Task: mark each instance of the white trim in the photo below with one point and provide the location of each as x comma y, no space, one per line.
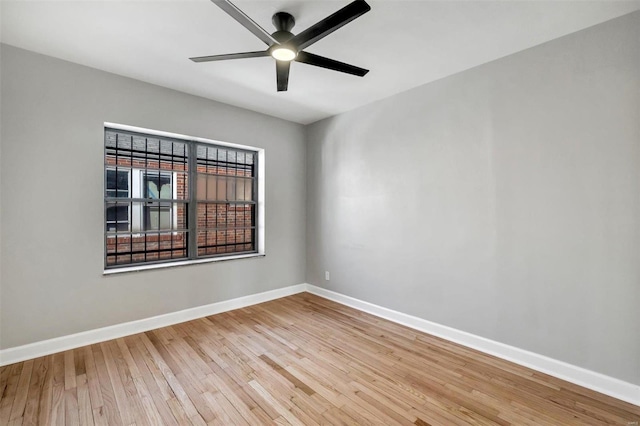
58,344
261,201
580,376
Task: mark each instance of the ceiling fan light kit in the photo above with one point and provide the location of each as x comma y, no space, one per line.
284,54
284,46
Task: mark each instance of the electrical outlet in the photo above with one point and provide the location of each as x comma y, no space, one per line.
327,276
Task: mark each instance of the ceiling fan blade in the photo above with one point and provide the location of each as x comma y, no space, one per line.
321,61
230,56
245,21
329,24
282,74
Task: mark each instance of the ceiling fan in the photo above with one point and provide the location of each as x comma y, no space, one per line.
285,47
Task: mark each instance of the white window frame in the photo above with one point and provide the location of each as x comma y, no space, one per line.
260,202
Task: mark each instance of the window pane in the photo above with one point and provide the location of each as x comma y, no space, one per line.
244,189
117,184
118,213
225,177
111,179
158,185
117,217
225,228
120,226
224,188
157,217
201,187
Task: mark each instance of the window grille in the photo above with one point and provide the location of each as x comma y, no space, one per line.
226,201
153,212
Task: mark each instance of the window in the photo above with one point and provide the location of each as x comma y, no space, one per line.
170,199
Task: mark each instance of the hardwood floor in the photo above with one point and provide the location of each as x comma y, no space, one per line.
301,360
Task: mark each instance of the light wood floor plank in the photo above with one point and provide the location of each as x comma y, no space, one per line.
22,390
85,413
12,376
300,360
30,416
58,408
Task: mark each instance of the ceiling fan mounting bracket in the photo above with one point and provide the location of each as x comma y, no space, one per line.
283,21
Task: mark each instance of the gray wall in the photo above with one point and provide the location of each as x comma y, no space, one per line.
52,200
503,201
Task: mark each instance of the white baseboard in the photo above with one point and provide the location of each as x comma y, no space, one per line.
72,341
580,376
589,379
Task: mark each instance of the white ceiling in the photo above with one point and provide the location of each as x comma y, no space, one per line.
404,43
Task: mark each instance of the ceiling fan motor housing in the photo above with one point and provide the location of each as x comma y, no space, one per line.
284,23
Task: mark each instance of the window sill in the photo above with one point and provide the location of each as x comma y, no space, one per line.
140,268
